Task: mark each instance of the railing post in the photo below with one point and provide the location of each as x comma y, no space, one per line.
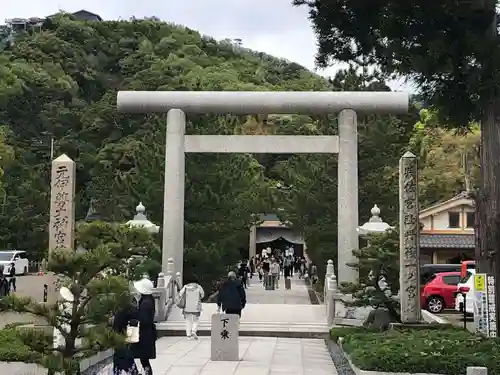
330,298
330,270
170,267
178,278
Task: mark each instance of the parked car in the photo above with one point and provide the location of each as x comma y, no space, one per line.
18,257
439,292
429,270
465,288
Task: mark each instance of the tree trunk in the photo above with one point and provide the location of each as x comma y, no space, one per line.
489,207
488,210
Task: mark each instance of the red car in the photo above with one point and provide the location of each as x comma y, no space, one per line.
439,292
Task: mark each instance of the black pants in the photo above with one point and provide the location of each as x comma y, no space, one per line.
235,312
148,370
127,365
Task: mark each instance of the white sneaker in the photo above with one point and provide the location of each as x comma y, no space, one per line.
194,336
190,337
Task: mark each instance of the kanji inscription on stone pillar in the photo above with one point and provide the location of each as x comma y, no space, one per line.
62,204
409,250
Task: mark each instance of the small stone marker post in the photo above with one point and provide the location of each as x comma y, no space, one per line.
409,250
225,337
62,210
477,371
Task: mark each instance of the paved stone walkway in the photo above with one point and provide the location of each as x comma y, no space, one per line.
266,310
258,356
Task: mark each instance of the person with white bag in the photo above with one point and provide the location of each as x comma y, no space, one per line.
144,346
190,298
124,322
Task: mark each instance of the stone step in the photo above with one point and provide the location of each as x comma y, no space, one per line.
260,329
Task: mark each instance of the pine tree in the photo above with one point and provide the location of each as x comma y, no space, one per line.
99,288
378,266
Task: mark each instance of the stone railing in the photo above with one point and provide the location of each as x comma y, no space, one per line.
166,291
338,310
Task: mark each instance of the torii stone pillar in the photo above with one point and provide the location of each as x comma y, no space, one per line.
177,103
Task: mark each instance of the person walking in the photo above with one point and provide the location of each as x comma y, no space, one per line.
232,297
287,269
4,284
275,272
243,272
252,266
123,361
12,277
190,298
145,349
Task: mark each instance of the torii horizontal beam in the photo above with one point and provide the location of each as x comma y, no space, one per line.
262,144
262,102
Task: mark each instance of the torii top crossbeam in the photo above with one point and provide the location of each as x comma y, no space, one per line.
262,102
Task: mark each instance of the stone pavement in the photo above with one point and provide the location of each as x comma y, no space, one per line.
258,356
266,311
297,295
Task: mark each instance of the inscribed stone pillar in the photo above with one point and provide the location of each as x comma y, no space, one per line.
173,209
62,204
409,227
347,195
224,338
62,213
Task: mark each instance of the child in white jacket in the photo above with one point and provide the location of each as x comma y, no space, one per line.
190,298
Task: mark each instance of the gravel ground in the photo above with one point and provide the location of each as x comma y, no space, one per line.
457,319
338,357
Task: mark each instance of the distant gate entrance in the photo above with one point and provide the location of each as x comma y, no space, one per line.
177,103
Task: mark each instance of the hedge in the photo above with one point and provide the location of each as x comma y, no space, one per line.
447,351
12,349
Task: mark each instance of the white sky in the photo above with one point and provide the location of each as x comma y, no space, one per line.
270,26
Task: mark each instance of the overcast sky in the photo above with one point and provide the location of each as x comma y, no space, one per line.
271,26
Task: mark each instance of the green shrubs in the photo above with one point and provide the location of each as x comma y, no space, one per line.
447,350
12,349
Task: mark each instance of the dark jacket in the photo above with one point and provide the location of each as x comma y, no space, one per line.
4,287
243,271
232,295
265,266
146,347
120,322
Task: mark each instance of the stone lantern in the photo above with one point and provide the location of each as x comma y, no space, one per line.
140,220
374,225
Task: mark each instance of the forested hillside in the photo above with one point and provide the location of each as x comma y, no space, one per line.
62,83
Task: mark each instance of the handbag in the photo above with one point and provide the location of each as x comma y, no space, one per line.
181,304
132,334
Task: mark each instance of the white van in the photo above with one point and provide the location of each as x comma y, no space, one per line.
19,258
466,287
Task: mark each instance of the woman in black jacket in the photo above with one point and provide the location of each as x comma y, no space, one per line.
145,349
123,360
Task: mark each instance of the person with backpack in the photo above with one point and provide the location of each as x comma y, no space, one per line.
190,298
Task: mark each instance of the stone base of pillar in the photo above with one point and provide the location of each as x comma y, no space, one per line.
346,315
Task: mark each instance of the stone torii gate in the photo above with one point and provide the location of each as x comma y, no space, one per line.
177,103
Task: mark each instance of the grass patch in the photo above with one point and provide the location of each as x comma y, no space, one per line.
447,350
